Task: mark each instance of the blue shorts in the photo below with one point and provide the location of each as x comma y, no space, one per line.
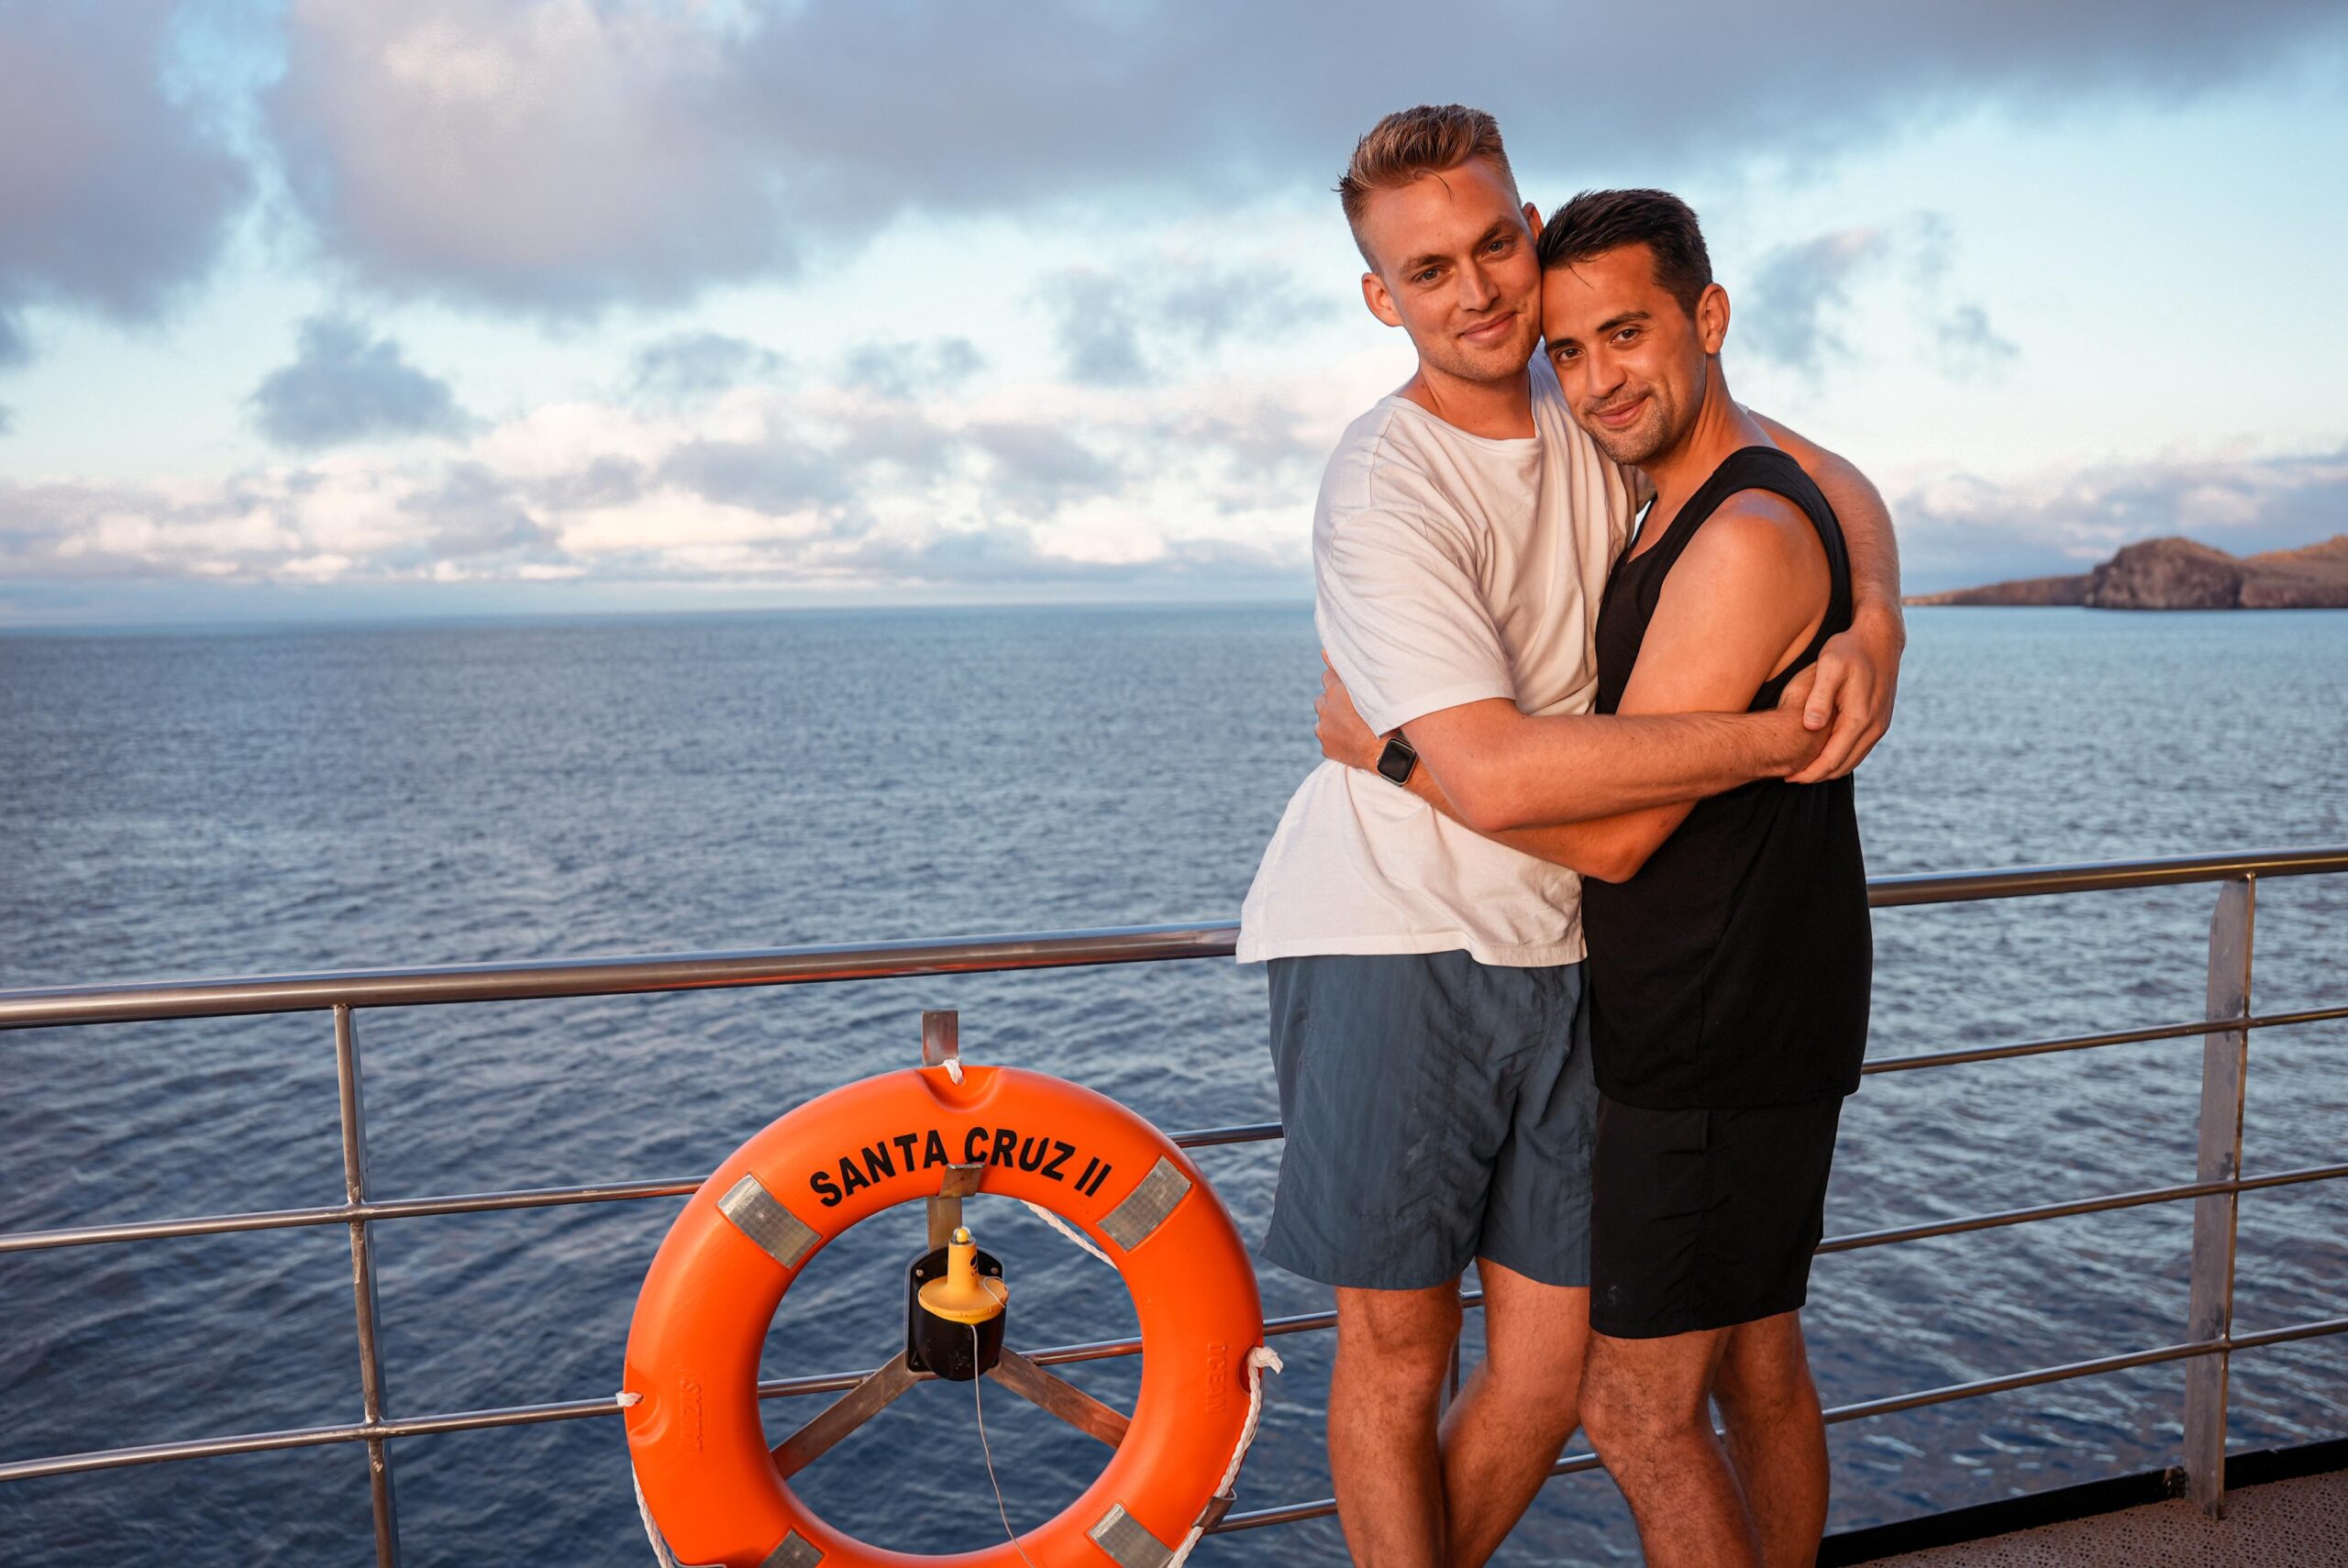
1437,1110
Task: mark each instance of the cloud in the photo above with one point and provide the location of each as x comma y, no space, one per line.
560,155
1211,304
1800,295
1095,319
900,369
7,419
813,490
343,386
1960,530
1795,306
113,193
474,513
1107,325
694,364
1037,467
1969,346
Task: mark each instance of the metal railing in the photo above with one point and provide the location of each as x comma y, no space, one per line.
2215,1192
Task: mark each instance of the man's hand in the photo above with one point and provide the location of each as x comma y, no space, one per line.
1853,685
1343,736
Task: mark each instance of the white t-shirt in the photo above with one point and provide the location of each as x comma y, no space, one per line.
1447,567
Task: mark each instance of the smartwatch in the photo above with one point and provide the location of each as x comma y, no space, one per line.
1394,764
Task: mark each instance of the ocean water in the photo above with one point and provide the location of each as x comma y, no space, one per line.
293,800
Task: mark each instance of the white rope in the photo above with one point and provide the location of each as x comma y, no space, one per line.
978,1404
651,1532
1070,1232
1259,1358
954,1068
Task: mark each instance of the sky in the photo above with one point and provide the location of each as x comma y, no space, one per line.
337,308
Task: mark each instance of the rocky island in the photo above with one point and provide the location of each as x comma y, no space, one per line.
2181,574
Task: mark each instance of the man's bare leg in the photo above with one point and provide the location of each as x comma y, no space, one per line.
1393,1354
1775,1436
1647,1406
1514,1414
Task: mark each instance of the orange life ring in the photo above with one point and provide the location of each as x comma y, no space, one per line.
700,1453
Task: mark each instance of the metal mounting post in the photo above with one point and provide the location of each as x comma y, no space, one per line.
2225,1062
363,1282
941,1041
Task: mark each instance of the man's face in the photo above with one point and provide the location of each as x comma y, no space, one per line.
1630,360
1455,269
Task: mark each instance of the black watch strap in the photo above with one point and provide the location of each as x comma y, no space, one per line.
1394,763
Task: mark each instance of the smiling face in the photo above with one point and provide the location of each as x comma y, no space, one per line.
1453,266
1633,362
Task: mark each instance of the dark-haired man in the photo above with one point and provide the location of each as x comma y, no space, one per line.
1428,1018
1729,951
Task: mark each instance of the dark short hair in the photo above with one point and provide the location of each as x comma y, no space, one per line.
1598,221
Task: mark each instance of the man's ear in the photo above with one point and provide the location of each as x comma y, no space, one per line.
1712,317
1533,219
1380,303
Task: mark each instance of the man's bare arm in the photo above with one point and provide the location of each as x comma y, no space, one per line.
1595,849
1859,672
1737,607
1503,769
1866,521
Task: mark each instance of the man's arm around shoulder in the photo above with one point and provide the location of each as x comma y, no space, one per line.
1859,672
1748,590
1679,736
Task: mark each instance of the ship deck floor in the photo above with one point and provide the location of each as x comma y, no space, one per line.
2301,1523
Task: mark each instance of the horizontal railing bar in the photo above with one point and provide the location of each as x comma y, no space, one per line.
1208,1137
1322,1508
543,978
2074,1206
1213,1137
45,1006
342,1214
2012,1381
2028,881
2192,1029
529,1415
305,1437
464,1203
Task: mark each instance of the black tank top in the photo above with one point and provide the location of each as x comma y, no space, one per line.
1734,970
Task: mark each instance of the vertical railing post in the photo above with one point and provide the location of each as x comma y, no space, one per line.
363,1282
2225,1062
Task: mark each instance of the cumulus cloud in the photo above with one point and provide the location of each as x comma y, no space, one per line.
1960,530
559,155
1969,345
694,364
1799,295
901,369
1795,308
1096,321
346,386
810,489
1037,467
113,193
1105,323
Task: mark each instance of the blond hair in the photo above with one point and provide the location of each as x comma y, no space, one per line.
1409,143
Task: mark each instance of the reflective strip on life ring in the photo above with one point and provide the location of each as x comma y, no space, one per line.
694,1434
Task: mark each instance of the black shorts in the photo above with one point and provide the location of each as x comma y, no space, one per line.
1705,1218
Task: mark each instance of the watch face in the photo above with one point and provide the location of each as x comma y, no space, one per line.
1396,761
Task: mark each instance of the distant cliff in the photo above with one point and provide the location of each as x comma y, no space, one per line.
2179,574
